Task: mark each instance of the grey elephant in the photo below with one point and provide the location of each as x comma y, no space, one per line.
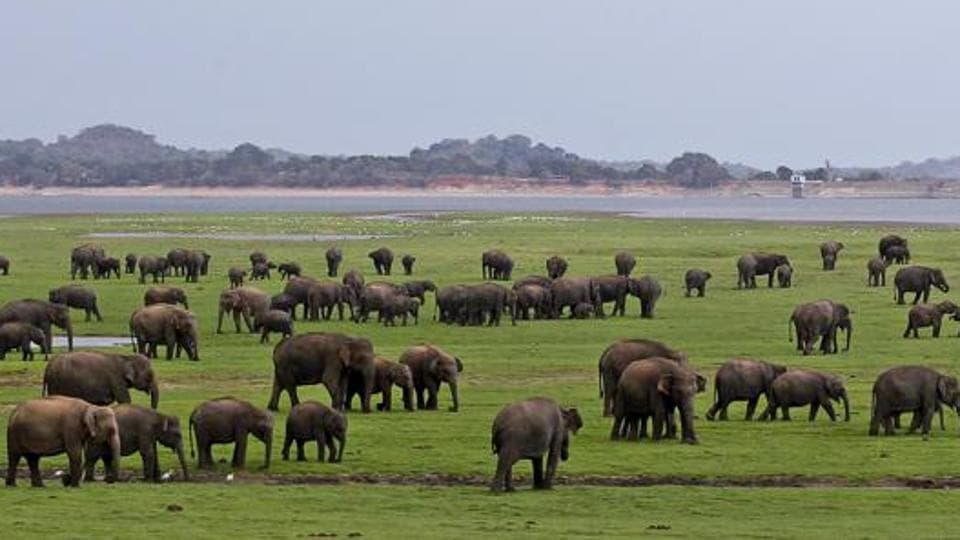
172,326
354,280
898,255
261,270
801,387
106,266
130,261
83,259
530,429
536,298
5,265
156,267
431,366
618,355
648,291
197,264
889,241
820,320
228,420
382,260
334,257
785,276
165,295
758,263
236,276
696,280
919,280
41,314
451,304
486,302
77,297
177,261
298,288
568,292
326,295
829,251
400,305
243,303
556,267
327,358
418,289
496,265
877,272
743,379
18,335
624,263
289,269
140,431
374,297
923,315
915,389
388,374
653,388
100,378
314,421
284,302
258,257
273,320
408,261
56,425
613,289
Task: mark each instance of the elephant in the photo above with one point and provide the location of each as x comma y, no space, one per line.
889,241
40,314
140,431
820,319
618,355
648,290
785,276
197,264
165,295
400,305
314,421
324,296
284,302
625,263
105,266
382,260
272,320
153,266
387,375
334,258
799,387
496,265
245,303
177,261
288,269
354,280
877,272
828,253
556,267
78,297
916,389
923,315
582,310
743,379
18,335
486,302
418,289
568,292
299,288
227,420
542,281
654,387
898,255
131,263
756,264
696,280
322,357
408,261
83,260
451,304
529,429
236,276
258,257
918,279
537,298
170,325
613,289
100,378
430,367
58,424
261,270
5,265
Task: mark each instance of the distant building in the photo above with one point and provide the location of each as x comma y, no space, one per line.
796,183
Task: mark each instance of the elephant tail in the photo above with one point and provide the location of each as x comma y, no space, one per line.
192,426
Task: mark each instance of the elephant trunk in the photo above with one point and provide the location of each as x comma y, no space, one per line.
183,460
686,422
408,397
846,406
455,394
154,392
115,455
69,328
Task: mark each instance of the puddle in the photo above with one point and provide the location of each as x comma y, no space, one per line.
244,236
82,342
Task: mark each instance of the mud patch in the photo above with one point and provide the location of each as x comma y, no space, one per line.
243,236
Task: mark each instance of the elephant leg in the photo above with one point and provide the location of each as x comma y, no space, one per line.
928,411
615,429
638,427
502,479
814,408
236,320
75,457
274,403
908,331
888,425
13,459
264,335
240,450
287,441
433,388
537,472
914,423
751,408
936,329
96,312
33,461
659,417
301,455
420,402
387,398
86,314
786,413
151,466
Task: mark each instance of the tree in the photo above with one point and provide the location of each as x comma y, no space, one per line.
784,173
697,170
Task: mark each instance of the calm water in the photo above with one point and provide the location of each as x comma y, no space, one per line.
945,211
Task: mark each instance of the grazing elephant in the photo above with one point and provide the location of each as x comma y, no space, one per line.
298,287
314,421
613,289
374,297
284,302
529,429
83,259
430,367
696,280
820,319
924,315
743,379
100,378
258,257
245,303
140,431
56,425
918,279
288,269
556,267
888,242
326,358
261,270
625,263
105,266
400,305
486,303
408,261
387,375
618,355
382,260
153,266
654,387
756,264
165,295
568,292
198,262
273,320
451,304
877,272
648,290
324,296
236,276
496,265
131,263
915,389
334,258
785,276
828,253
5,265
538,299
40,314
898,255
177,261
18,335
77,297
800,387
419,289
170,325
227,420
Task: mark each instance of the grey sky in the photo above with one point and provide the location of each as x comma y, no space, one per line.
764,82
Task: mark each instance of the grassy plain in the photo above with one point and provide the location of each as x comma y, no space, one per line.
555,358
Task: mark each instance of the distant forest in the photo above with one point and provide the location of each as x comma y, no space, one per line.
111,155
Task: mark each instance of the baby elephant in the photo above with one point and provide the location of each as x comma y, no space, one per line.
696,280
785,275
288,270
77,297
800,387
400,305
387,375
18,335
877,272
923,315
273,320
314,421
407,262
236,276
583,310
227,420
527,430
140,431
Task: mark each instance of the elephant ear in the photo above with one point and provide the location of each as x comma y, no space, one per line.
90,421
943,387
665,384
344,355
129,371
459,364
572,420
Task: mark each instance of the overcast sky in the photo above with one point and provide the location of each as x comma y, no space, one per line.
763,82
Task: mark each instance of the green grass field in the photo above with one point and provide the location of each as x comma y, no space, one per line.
554,358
